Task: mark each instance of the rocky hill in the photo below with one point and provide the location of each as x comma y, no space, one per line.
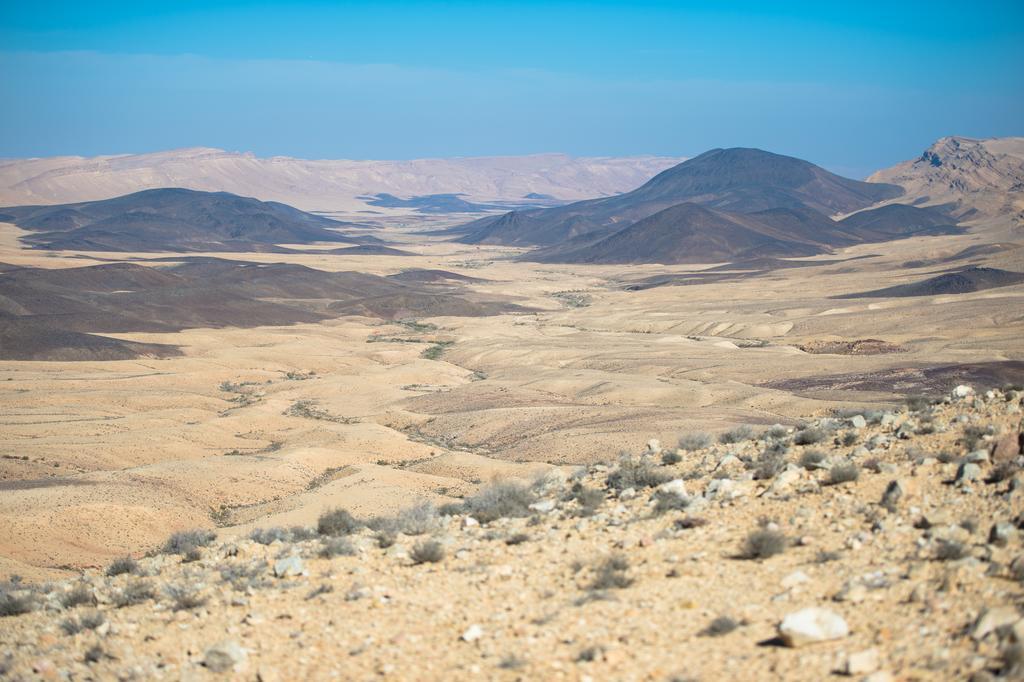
174,219
879,545
738,180
980,178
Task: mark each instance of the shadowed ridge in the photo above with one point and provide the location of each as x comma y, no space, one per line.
173,219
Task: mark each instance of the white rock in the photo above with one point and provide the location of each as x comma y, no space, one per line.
858,421
543,506
727,489
963,391
785,480
811,625
862,662
992,619
225,656
288,566
852,591
795,578
675,487
654,446
472,633
627,494
470,522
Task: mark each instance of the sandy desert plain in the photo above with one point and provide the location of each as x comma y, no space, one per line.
272,426
120,453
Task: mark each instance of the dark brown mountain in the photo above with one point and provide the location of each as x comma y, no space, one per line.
963,281
684,233
896,221
689,233
735,180
173,219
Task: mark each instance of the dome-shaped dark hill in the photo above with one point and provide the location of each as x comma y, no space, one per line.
963,281
687,233
173,219
755,174
894,221
738,180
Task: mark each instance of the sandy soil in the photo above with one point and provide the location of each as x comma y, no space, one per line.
100,459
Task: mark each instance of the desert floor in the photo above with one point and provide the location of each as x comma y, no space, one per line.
104,458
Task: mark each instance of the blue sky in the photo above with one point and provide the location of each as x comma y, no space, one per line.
852,86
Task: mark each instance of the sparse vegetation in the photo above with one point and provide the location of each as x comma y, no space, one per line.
245,576
427,552
337,522
665,501
418,519
435,351
123,565
612,573
736,435
844,472
809,436
185,597
15,605
671,457
694,441
812,459
185,541
499,500
589,499
764,543
722,625
77,596
135,592
974,435
310,410
336,546
917,403
266,536
637,473
770,463
88,621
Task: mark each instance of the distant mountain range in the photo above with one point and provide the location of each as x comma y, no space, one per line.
326,185
725,204
173,219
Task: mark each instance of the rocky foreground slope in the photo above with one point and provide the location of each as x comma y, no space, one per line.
879,545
